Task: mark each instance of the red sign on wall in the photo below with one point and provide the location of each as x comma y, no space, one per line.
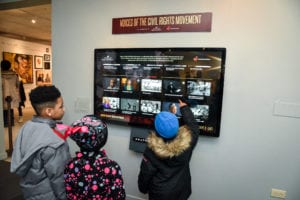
193,22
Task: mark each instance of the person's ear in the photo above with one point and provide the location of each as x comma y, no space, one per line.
49,111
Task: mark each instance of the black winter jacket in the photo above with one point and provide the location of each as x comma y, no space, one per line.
165,171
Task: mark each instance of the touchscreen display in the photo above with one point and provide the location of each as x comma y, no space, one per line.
132,85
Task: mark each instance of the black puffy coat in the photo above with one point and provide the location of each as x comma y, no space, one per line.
165,171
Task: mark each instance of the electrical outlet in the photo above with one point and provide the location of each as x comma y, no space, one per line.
278,193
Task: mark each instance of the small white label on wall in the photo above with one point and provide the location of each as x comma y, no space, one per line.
286,109
278,193
82,105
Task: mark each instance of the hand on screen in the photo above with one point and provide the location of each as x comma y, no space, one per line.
181,103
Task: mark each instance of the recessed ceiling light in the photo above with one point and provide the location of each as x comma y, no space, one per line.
33,21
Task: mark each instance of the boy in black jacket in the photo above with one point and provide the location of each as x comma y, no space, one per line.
165,172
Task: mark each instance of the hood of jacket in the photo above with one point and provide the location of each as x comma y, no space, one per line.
33,136
171,148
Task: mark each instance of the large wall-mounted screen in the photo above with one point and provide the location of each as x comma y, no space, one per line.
132,85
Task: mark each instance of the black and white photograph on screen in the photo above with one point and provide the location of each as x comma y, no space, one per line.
130,104
198,87
111,103
151,85
174,71
173,87
152,70
172,107
111,69
149,106
201,112
133,70
111,83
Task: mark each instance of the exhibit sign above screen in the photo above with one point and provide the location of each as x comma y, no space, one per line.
188,22
132,85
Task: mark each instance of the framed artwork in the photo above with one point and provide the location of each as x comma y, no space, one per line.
38,62
22,64
47,65
47,57
43,77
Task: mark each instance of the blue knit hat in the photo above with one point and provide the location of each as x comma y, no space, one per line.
166,124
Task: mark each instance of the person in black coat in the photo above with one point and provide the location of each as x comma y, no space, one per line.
165,171
22,101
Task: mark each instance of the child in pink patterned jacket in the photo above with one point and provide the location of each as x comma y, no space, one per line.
91,174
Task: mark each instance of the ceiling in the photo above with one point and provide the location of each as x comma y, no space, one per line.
16,16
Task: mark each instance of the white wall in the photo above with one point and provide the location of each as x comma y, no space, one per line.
256,150
22,47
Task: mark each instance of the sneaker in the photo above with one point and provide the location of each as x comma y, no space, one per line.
20,119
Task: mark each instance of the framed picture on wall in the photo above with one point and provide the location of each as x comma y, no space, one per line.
47,57
47,65
43,77
38,62
22,64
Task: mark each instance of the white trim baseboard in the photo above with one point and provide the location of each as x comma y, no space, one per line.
131,197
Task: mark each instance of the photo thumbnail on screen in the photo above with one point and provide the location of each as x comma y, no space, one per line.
149,106
175,71
201,112
133,70
129,84
130,104
198,87
195,72
111,83
151,85
172,107
152,70
111,69
173,87
111,103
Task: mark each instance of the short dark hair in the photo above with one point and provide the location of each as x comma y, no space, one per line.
43,96
5,65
